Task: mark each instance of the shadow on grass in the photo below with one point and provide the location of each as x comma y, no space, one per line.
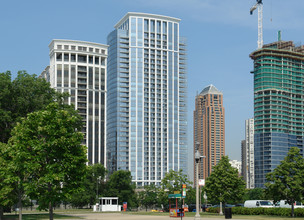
39,216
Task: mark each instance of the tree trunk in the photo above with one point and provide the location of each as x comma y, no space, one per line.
1,213
221,209
51,211
292,210
20,207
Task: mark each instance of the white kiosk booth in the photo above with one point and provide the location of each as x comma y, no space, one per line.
109,204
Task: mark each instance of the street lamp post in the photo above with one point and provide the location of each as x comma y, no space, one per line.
97,181
197,159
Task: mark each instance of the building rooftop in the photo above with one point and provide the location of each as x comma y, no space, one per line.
286,47
211,89
145,15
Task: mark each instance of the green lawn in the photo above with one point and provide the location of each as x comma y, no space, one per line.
38,216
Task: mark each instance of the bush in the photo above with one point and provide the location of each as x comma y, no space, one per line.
213,210
262,211
299,212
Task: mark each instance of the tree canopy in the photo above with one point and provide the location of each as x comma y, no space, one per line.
224,184
7,198
120,185
48,160
18,97
254,194
172,181
286,181
148,196
94,186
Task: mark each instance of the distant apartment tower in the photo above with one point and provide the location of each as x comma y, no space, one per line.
278,104
209,128
79,68
248,154
147,96
243,158
237,165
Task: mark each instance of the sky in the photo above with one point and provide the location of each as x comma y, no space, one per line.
220,36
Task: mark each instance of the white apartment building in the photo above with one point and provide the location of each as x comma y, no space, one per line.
79,68
236,164
248,154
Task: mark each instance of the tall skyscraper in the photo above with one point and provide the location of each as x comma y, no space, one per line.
209,128
278,104
147,95
248,154
79,68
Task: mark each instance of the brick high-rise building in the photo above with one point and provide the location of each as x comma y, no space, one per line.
209,129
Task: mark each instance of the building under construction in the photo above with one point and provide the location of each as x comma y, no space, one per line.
278,104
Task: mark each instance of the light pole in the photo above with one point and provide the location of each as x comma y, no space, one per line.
197,159
97,181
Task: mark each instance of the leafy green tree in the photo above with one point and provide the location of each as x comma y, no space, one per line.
25,94
48,160
5,106
173,181
191,195
224,184
94,186
254,194
120,185
148,197
286,181
7,198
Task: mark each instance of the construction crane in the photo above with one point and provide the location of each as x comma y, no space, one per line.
259,5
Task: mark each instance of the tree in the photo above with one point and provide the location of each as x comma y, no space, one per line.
191,195
224,184
254,194
120,185
48,159
6,188
286,181
25,94
93,186
172,181
5,109
148,196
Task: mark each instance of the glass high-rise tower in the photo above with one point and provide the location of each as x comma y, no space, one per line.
278,104
146,99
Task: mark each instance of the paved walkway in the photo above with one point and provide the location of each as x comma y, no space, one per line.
119,216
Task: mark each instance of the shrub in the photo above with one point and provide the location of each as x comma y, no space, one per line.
286,212
213,210
299,212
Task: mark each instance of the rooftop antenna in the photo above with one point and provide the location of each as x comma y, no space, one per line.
259,6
